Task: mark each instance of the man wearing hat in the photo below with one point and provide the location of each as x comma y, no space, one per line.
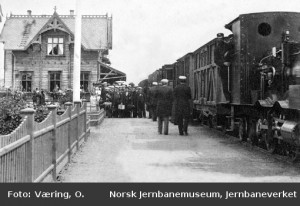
182,96
164,97
140,102
153,101
103,94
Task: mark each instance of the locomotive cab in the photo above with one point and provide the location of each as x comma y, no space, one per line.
254,37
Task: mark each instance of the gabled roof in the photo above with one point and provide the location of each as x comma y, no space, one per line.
21,30
54,22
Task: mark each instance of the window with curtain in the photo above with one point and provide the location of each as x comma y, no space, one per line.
26,81
54,80
84,81
55,46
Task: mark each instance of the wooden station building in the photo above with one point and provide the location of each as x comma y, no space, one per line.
39,51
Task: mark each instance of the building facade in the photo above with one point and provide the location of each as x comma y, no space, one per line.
2,20
39,50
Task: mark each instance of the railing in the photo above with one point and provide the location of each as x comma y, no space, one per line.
61,16
36,152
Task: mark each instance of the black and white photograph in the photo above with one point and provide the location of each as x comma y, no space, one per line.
150,91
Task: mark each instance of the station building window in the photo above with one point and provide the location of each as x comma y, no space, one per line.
55,46
26,81
84,81
54,80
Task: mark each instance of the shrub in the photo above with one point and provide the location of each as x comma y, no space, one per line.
41,112
12,103
10,118
10,108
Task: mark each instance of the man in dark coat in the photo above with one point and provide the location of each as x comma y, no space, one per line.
182,96
123,101
153,100
116,100
140,103
146,93
43,98
164,98
103,97
148,102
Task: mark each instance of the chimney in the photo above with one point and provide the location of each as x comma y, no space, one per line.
72,12
29,12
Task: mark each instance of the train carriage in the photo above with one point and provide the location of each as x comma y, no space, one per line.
208,84
168,73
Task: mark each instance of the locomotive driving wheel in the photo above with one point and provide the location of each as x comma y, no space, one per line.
270,144
201,118
213,121
262,135
294,151
294,154
252,134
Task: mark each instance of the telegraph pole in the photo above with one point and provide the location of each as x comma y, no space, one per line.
77,54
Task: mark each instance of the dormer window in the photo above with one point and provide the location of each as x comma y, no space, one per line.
55,46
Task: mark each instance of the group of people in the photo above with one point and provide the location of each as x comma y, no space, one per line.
162,102
165,102
38,97
122,101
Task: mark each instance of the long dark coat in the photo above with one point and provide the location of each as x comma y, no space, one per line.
103,94
182,95
153,96
164,96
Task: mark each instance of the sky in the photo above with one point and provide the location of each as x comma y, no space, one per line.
150,33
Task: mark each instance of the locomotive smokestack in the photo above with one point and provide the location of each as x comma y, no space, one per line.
29,12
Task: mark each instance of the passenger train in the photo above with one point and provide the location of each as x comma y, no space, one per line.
248,83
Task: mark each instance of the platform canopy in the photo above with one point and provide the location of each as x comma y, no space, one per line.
109,74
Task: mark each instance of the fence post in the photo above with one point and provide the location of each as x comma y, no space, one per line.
85,119
69,105
29,112
77,104
90,106
52,108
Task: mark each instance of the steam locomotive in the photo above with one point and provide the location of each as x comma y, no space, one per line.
248,83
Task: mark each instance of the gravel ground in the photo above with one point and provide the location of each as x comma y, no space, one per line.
131,150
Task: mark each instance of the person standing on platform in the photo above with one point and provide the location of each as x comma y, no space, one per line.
122,104
43,98
146,94
182,97
164,97
153,100
115,101
140,103
34,97
102,96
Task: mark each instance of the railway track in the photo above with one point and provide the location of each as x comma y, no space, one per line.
248,144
